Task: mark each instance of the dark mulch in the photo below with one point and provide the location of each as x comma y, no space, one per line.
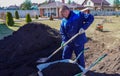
20,51
61,69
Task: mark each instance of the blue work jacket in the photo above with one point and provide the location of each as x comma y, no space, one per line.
71,26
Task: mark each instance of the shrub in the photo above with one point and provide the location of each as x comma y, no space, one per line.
51,17
9,19
28,18
36,16
16,15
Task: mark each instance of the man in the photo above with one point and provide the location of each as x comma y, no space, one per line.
71,23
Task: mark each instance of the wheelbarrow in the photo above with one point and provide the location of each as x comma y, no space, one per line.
84,71
45,65
42,60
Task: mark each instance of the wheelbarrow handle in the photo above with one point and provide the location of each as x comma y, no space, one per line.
92,65
80,54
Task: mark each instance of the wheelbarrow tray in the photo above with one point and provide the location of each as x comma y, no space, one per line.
45,65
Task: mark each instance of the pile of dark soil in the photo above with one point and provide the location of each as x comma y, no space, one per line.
61,69
20,51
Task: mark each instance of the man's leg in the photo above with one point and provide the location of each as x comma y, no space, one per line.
81,60
67,52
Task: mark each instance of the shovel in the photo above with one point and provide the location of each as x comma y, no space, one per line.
45,65
42,60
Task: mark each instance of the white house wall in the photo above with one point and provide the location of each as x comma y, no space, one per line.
49,11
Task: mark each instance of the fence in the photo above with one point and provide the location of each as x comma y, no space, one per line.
22,13
104,13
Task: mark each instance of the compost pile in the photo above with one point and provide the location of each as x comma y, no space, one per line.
61,69
20,51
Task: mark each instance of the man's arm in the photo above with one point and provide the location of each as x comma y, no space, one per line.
63,34
87,20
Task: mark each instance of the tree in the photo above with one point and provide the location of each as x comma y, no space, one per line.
26,5
9,19
28,18
16,15
69,1
116,4
45,2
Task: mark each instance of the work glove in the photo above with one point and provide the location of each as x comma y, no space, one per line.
81,31
62,43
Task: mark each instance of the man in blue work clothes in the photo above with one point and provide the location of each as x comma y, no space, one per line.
71,23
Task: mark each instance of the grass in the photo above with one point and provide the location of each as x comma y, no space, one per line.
112,24
54,24
5,31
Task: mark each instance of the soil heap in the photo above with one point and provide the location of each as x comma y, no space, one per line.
20,51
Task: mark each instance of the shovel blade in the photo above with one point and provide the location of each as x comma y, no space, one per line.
42,60
40,73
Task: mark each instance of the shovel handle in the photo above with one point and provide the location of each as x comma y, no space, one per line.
80,32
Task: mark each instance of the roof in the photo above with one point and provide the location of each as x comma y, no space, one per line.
98,2
75,4
13,7
58,4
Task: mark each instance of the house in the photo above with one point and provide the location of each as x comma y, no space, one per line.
52,8
13,7
97,4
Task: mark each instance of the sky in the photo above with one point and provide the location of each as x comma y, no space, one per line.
6,3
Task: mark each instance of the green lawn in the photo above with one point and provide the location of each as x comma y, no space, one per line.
112,24
4,31
54,24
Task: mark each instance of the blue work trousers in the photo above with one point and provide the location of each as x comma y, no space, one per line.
68,50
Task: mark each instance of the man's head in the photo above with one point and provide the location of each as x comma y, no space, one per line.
64,11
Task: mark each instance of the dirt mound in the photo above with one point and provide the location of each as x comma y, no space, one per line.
20,51
61,69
